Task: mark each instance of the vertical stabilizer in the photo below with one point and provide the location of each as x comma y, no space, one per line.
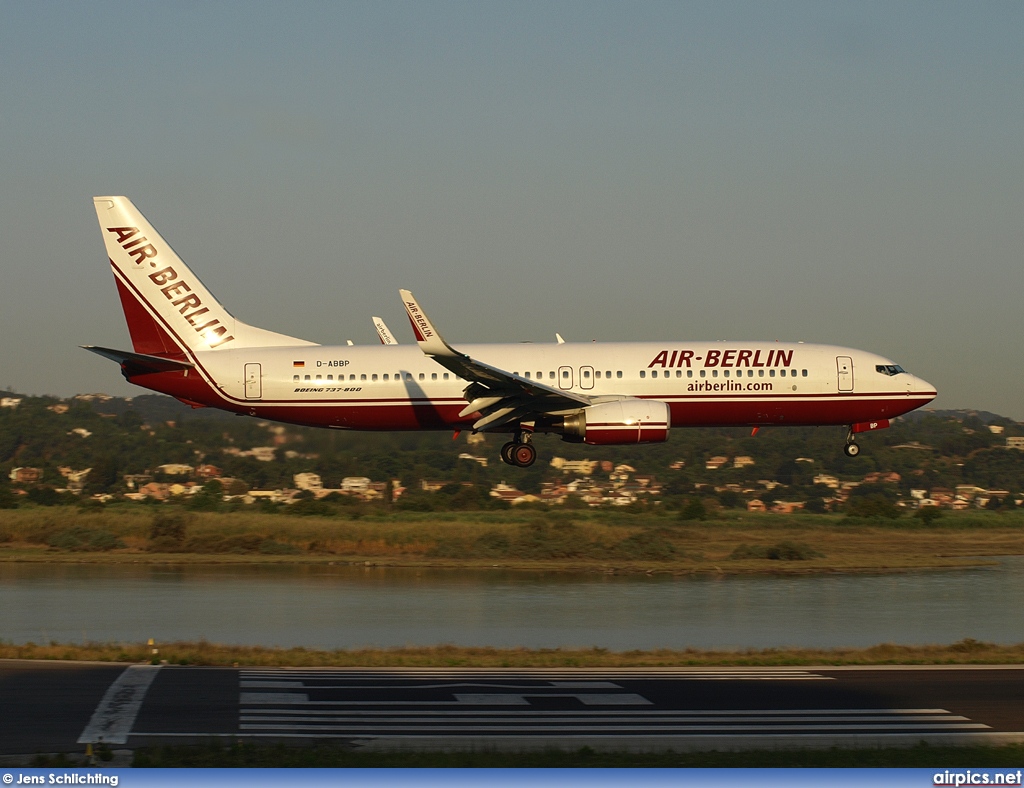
168,310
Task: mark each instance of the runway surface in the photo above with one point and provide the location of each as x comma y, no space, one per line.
60,707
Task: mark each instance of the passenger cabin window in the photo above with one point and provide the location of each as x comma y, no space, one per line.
446,376
295,377
608,374
643,374
433,376
307,377
363,376
805,373
618,373
422,376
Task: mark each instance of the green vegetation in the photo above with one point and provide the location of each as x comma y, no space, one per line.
239,755
696,523
964,652
137,436
573,540
783,551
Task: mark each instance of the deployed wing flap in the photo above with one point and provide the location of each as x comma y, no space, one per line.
140,363
501,397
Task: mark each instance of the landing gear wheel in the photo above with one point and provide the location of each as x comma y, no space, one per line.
524,455
851,449
506,452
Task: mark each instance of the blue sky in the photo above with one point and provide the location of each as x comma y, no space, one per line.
848,173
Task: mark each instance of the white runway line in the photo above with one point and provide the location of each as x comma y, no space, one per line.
709,674
634,729
114,717
279,700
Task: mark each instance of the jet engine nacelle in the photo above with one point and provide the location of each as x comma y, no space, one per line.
619,422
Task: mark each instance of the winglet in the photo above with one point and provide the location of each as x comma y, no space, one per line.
430,341
383,332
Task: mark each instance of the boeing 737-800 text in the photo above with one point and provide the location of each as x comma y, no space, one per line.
187,345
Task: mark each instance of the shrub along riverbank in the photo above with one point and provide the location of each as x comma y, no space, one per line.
534,539
965,652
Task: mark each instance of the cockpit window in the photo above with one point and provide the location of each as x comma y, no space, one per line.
889,369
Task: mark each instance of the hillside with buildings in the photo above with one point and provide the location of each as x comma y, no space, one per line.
152,449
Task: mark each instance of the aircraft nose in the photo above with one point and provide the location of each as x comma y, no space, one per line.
923,387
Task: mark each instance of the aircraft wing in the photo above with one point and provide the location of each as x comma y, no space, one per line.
499,396
139,363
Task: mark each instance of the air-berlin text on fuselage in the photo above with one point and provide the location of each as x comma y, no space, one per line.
723,358
175,290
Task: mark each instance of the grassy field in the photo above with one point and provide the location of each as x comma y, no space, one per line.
277,755
966,652
586,541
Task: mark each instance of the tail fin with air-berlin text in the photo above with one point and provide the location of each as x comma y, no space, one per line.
169,311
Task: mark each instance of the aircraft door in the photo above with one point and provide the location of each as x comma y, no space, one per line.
253,381
565,377
844,365
586,377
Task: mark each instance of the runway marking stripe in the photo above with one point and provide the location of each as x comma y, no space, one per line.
597,716
1009,737
519,699
412,675
853,713
279,685
896,726
114,717
300,680
592,675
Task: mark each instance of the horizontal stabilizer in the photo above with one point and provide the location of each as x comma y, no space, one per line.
140,362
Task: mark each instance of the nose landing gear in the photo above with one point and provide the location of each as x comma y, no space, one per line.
851,449
519,451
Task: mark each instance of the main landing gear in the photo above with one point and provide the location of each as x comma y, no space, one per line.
851,449
519,451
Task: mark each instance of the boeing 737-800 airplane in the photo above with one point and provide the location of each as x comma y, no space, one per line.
187,345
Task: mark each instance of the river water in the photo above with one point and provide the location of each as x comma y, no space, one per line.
347,607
